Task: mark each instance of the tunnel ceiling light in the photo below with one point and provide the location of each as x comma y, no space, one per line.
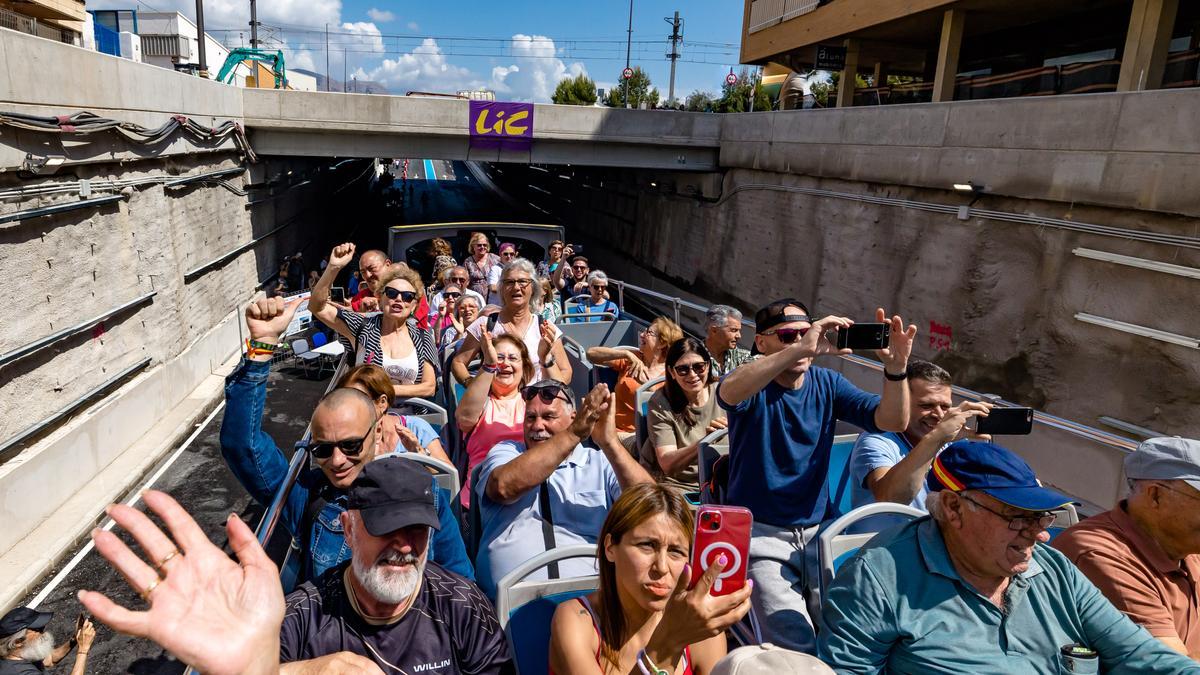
969,187
653,184
1168,268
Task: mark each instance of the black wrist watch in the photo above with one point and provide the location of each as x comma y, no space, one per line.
896,378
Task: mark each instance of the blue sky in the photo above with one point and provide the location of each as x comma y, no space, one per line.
519,48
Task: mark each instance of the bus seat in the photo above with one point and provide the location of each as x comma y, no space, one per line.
600,333
434,414
641,408
835,546
712,447
474,529
839,476
445,474
525,608
583,373
1067,517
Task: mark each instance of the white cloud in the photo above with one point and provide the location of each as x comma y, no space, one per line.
235,14
412,25
380,15
423,69
536,72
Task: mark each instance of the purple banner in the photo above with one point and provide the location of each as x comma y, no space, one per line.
495,124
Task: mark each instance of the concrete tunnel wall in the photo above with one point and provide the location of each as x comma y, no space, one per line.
1003,296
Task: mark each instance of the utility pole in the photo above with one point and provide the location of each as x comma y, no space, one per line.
345,69
254,24
628,45
200,38
676,38
327,88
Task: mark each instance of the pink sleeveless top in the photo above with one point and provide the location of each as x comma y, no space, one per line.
687,651
502,420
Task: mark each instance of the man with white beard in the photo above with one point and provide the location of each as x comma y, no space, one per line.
389,609
27,648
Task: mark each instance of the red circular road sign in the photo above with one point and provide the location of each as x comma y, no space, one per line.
627,73
731,79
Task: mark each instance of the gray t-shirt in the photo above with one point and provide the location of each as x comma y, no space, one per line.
667,428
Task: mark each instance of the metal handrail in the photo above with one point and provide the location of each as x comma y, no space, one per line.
42,343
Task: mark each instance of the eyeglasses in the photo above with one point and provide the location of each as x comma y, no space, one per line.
459,280
546,392
350,447
1185,494
452,296
393,293
518,283
508,358
788,335
1039,521
698,368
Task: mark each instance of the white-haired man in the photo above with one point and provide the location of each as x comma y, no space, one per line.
389,607
27,648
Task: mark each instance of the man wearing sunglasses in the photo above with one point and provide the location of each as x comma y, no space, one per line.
972,588
550,491
455,276
343,439
782,411
1144,554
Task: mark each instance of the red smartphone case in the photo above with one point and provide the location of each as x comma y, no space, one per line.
731,536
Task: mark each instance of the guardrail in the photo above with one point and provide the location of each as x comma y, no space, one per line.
1081,460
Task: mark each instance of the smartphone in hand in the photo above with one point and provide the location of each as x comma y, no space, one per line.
864,336
1006,422
722,530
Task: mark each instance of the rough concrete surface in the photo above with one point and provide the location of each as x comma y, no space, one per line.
1001,296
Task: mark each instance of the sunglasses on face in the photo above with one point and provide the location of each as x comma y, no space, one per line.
452,296
507,254
350,447
581,268
547,393
393,293
482,246
599,288
696,368
788,335
459,280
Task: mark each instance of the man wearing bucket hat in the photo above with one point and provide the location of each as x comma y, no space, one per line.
1144,555
970,588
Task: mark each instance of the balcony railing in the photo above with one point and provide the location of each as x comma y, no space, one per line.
767,13
27,24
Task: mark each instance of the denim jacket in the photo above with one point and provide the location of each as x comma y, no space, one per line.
261,467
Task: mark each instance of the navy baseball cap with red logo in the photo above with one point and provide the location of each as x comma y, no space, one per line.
995,471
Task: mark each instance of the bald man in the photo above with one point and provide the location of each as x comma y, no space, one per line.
343,440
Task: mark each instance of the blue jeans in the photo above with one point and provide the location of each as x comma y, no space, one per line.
261,467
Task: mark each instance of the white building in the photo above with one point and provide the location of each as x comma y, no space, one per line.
169,40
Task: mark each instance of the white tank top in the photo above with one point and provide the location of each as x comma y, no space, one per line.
402,370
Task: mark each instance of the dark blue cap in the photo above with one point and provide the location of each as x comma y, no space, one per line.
995,471
392,493
21,618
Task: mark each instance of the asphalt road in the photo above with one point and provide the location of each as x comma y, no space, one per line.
436,191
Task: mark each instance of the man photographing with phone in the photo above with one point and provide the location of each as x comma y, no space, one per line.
27,648
782,413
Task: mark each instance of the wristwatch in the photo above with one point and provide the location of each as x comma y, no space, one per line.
549,363
895,378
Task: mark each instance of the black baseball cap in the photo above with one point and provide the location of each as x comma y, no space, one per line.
393,493
773,314
21,618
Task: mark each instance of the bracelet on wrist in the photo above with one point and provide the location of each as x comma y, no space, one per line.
259,344
489,369
895,378
647,666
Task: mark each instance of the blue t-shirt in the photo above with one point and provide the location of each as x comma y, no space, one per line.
779,443
421,429
588,308
878,451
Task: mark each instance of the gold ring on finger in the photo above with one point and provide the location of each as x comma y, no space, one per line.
161,563
150,589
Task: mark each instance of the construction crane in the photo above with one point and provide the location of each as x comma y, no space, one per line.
236,56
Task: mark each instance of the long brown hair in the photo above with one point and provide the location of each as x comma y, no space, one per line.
635,506
526,362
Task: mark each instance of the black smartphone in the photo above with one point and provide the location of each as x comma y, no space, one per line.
864,336
337,294
1006,422
576,249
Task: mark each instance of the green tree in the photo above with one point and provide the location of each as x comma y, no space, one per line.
736,97
825,90
699,101
578,90
640,90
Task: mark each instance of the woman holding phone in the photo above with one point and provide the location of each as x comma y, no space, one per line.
643,617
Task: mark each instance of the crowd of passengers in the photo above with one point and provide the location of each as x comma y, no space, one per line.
388,585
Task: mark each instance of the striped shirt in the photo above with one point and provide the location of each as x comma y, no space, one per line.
368,348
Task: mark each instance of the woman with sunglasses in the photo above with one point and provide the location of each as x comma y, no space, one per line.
597,301
480,265
635,368
642,617
520,294
492,409
447,313
396,433
680,415
391,339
